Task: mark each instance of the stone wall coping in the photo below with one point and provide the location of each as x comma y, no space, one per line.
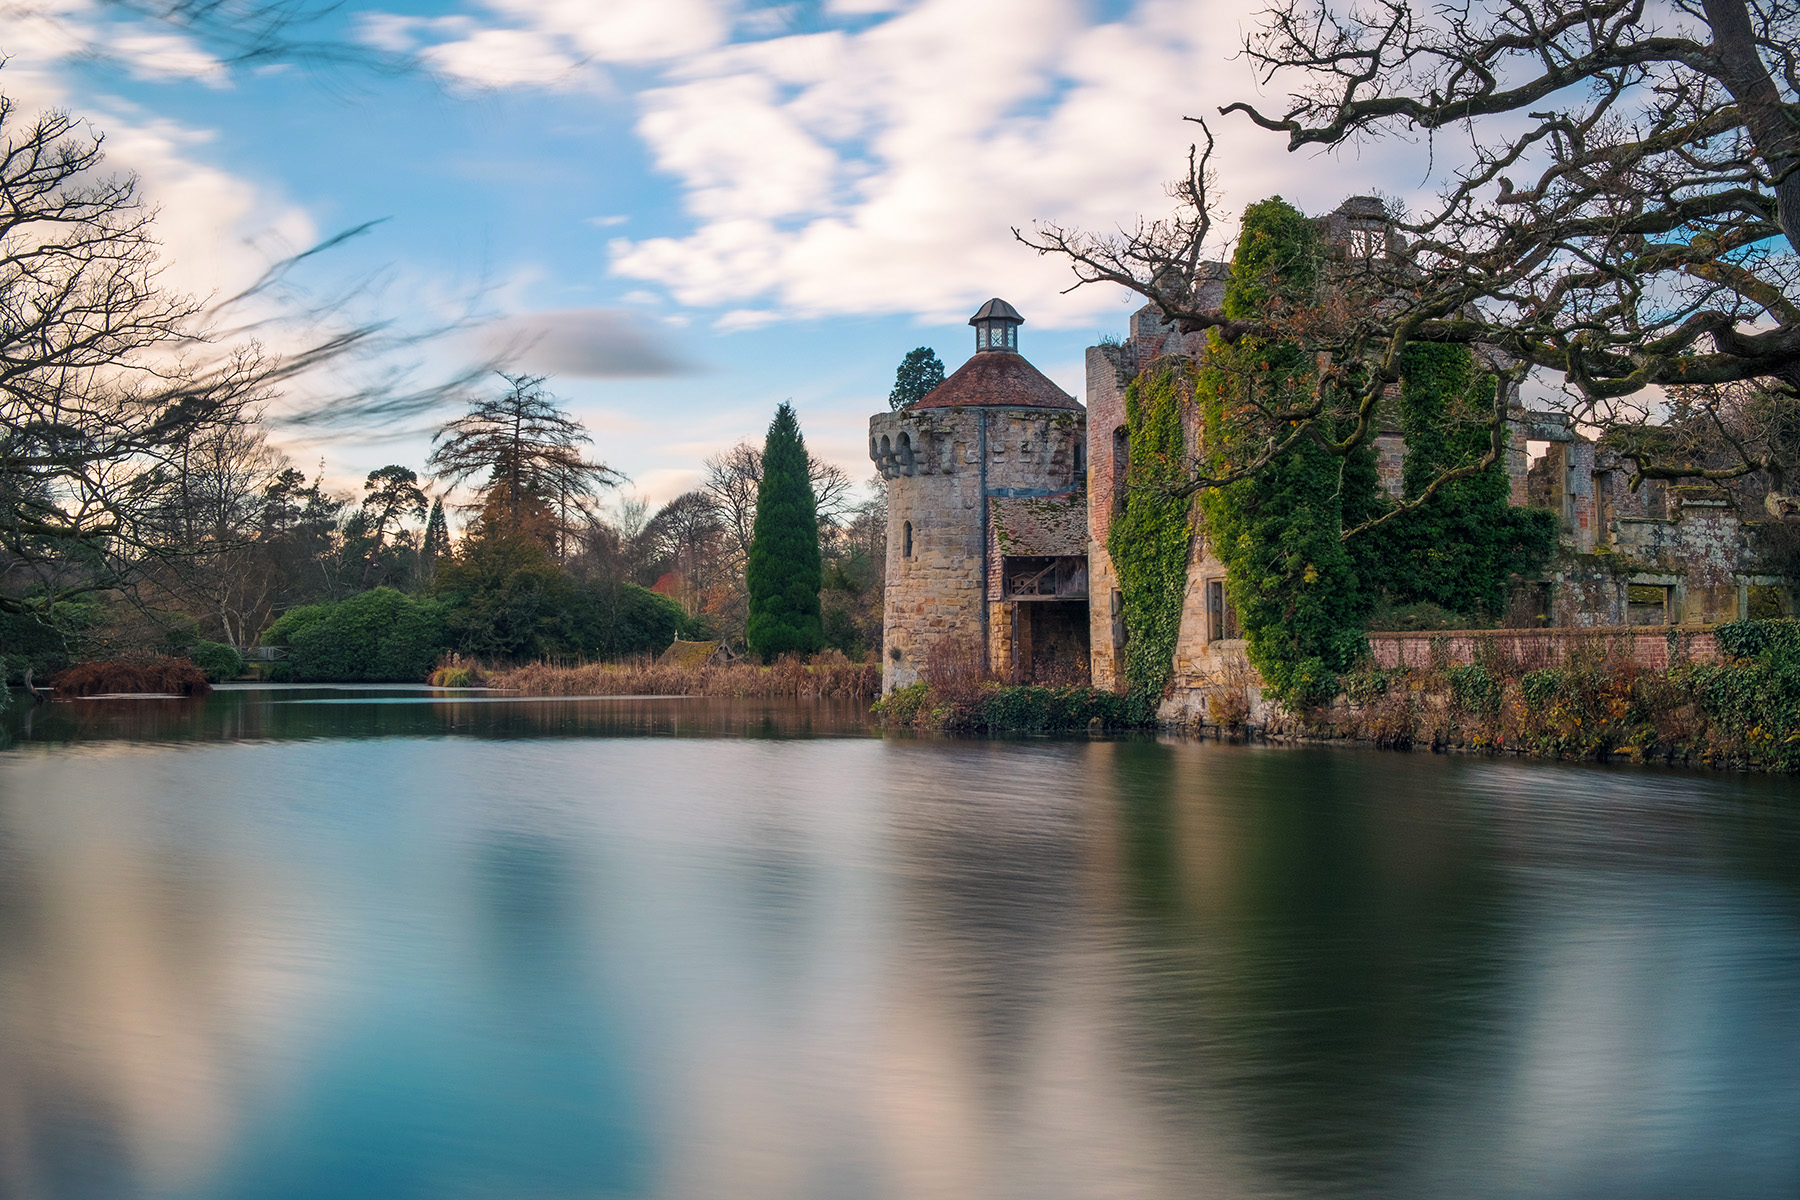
1554,631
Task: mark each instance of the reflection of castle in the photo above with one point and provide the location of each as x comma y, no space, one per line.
1002,491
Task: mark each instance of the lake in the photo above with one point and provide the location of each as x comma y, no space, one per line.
375,943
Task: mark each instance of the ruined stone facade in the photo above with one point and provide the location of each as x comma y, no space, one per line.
1002,491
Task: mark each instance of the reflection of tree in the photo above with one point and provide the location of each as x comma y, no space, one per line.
1334,973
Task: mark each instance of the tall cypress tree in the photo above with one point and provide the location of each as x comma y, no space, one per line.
783,572
437,541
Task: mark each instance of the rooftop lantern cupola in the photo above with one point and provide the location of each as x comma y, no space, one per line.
997,326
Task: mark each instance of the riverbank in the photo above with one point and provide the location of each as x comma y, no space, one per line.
1731,703
1730,699
827,676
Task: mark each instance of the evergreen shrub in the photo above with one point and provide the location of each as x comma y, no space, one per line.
378,636
216,660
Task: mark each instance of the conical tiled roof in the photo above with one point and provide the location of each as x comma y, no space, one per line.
998,380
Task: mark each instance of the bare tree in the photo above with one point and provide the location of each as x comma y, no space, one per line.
1653,243
687,532
105,386
732,479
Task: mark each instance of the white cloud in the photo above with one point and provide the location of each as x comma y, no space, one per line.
881,167
608,222
218,231
499,58
741,320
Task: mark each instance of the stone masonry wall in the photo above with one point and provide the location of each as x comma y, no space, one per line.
934,465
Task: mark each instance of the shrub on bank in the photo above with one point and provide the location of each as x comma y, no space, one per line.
1743,711
164,675
217,661
379,636
1025,708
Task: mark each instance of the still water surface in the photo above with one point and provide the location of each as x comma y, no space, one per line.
312,943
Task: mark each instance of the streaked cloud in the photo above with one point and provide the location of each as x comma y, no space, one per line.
585,343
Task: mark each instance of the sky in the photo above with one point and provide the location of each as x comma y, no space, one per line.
681,212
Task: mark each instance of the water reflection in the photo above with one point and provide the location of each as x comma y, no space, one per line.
250,712
529,963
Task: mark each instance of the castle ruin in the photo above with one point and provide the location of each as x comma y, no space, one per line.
1002,490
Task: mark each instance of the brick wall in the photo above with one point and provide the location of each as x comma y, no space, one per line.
1650,647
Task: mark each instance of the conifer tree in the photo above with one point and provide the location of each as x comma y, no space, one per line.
784,573
919,372
437,540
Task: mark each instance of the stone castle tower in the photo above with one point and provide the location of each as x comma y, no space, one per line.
987,518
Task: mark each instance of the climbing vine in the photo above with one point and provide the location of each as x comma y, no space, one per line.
1459,550
1300,600
1150,539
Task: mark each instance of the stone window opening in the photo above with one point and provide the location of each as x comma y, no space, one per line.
906,540
1221,613
1648,604
1121,466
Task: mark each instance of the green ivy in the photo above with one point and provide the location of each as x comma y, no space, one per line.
1150,539
1300,600
1459,550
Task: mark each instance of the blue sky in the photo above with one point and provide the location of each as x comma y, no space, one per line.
683,211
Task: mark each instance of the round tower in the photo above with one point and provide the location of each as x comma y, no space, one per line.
987,519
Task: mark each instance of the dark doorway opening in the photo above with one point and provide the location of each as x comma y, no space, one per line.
1051,643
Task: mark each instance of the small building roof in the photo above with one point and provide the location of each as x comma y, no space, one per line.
1041,525
997,381
997,310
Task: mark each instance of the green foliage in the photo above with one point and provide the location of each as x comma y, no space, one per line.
1150,539
783,573
1025,709
1474,689
436,546
216,661
1461,548
1033,709
1779,638
1300,600
902,706
504,597
1540,687
612,621
919,372
47,640
1276,263
379,636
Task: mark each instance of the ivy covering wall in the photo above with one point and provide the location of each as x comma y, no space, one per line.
1150,539
1461,548
1301,601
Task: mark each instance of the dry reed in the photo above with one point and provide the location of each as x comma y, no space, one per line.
829,676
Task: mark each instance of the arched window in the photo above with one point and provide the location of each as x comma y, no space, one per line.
906,540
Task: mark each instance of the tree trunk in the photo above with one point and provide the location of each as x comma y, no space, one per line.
1772,126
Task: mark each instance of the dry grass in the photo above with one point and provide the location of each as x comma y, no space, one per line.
173,676
829,676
